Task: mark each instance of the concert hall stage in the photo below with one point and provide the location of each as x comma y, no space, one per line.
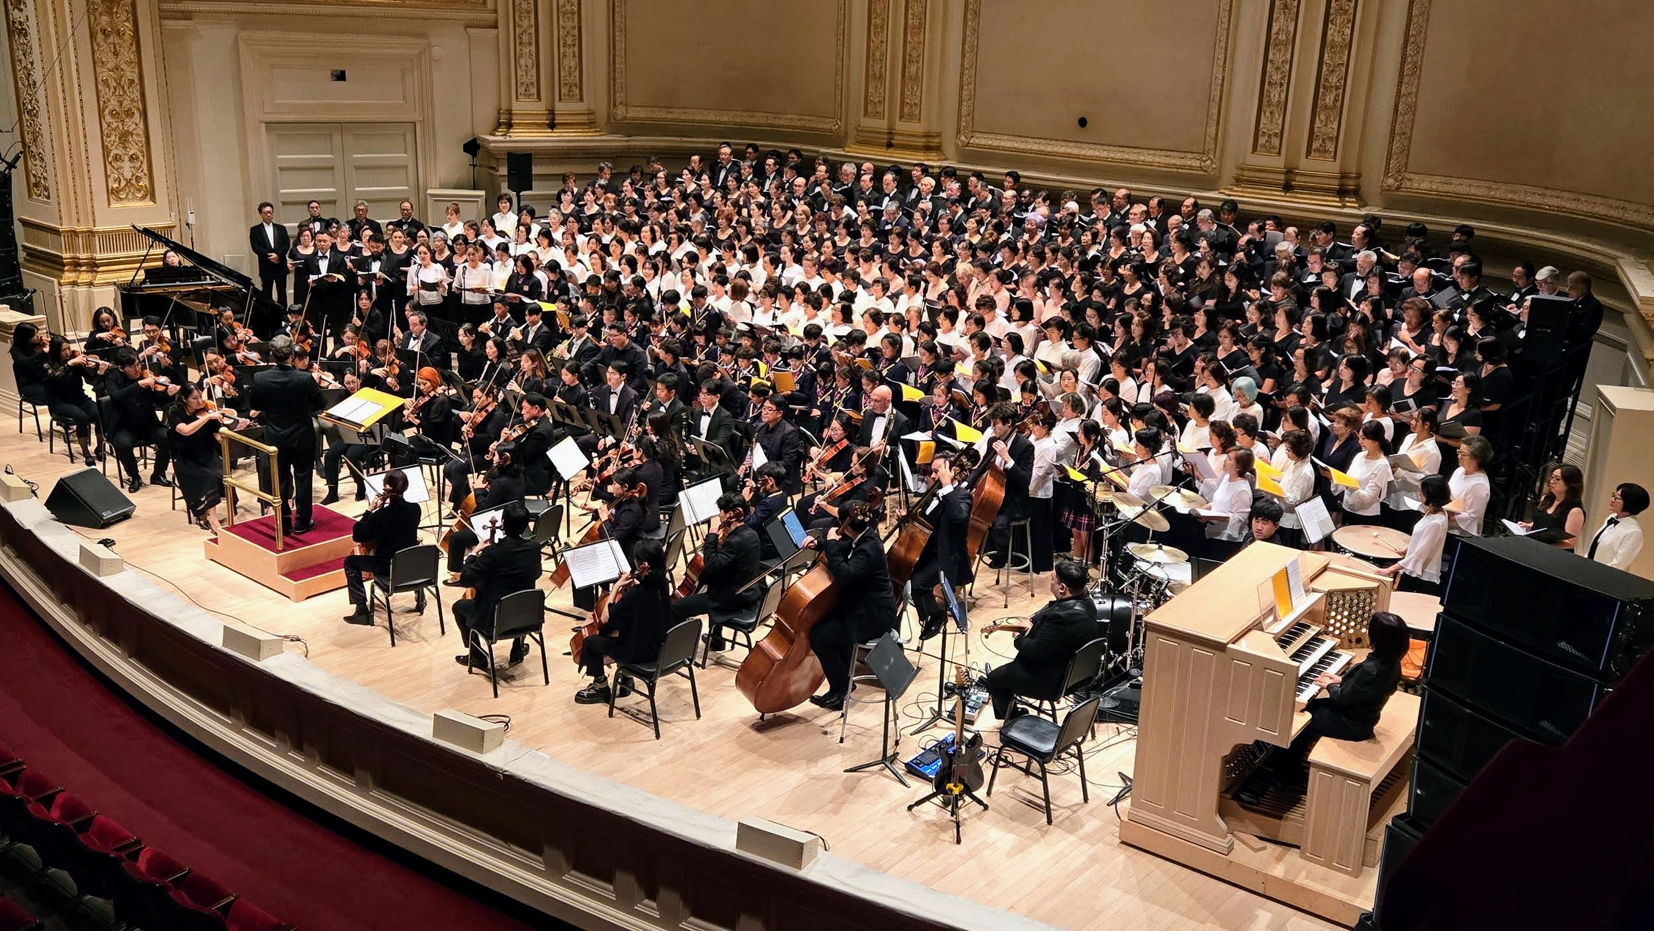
607,792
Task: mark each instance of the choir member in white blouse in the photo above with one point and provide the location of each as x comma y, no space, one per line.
1469,484
1232,501
1371,470
1419,569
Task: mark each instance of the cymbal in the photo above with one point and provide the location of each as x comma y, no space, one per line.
1126,499
1156,553
1181,498
1146,517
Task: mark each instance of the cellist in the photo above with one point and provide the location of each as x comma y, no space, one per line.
729,560
949,515
498,486
635,625
866,606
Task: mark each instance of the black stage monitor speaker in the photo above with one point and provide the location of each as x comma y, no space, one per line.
1581,614
519,169
1525,691
1458,738
1547,328
86,499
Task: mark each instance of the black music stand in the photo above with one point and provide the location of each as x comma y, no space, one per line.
895,674
957,609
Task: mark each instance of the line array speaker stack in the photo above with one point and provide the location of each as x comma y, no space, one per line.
1530,639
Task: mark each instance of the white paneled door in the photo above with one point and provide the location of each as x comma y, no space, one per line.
340,163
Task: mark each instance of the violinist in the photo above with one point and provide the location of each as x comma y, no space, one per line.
344,444
945,553
156,355
237,352
866,607
429,414
863,480
480,430
106,335
833,456
635,626
495,488
570,392
389,525
199,464
729,560
322,378
298,329
30,357
227,327
645,460
352,347
66,374
221,383
136,397
661,443
385,372
368,318
536,439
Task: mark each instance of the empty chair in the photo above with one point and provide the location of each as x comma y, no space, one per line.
198,902
14,917
56,830
519,614
413,569
17,792
1043,742
143,900
245,916
10,762
677,656
104,846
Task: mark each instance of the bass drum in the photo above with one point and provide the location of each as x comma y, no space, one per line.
1113,621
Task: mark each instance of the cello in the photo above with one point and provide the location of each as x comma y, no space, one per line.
782,671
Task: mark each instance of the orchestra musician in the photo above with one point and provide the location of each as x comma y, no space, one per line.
1015,455
622,518
389,525
430,414
729,560
635,626
198,459
538,436
221,383
286,399
1054,634
1349,710
866,606
783,445
765,499
480,429
501,567
945,552
711,423
157,356
385,372
64,372
862,480
106,336
882,424
344,444
137,397
664,401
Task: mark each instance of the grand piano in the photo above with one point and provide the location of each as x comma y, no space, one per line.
191,294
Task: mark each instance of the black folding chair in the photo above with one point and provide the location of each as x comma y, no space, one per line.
413,569
1043,742
676,657
519,614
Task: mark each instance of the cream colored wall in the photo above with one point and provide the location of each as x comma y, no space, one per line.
228,72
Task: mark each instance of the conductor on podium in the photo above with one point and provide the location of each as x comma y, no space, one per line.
284,399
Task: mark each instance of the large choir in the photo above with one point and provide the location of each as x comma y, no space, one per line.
927,371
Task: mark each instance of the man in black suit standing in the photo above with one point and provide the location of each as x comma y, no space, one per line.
332,286
508,565
1055,633
866,606
1015,456
269,241
724,167
285,399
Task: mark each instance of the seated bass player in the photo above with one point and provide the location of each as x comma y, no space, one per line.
945,552
866,606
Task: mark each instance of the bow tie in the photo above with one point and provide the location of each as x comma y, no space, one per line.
1612,521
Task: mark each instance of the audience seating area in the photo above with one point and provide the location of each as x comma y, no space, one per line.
149,889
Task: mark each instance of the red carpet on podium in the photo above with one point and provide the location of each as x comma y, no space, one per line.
69,723
330,525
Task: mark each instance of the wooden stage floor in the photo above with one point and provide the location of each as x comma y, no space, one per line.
1074,873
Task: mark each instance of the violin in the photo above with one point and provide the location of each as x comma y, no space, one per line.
826,456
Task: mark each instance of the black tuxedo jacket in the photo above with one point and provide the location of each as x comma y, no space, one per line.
262,246
624,405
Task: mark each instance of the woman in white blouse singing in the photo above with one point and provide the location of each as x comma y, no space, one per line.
1469,484
1371,469
1146,473
1232,502
1419,569
1297,477
427,281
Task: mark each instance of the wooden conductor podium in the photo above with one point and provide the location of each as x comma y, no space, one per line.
1225,677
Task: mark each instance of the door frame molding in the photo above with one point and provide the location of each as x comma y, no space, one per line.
259,50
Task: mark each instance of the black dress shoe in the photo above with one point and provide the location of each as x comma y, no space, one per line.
332,496
362,616
160,480
304,527
518,654
595,694
474,661
831,702
132,486
361,493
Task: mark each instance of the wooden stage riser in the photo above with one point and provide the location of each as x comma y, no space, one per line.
267,568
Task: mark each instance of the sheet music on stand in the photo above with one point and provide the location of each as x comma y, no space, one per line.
595,563
1316,521
567,458
915,485
759,458
418,492
699,502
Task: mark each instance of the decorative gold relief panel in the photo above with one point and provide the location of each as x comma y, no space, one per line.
1331,75
123,121
1277,76
31,114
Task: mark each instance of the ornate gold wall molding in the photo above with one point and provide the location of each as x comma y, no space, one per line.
478,12
878,50
621,110
31,114
1204,161
1332,73
568,51
1501,193
1277,76
525,45
121,113
913,59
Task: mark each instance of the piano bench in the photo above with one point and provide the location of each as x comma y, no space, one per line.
1340,808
